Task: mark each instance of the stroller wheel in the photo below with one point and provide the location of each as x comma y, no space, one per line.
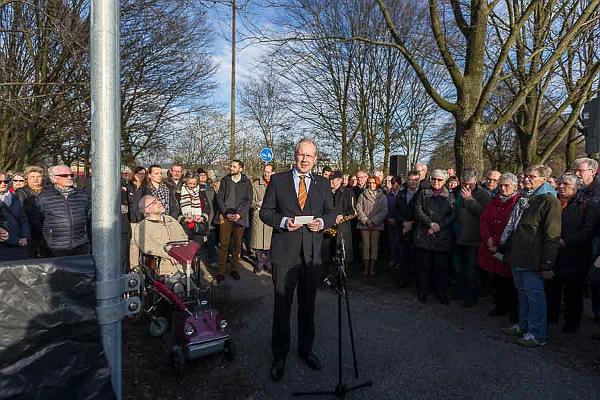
158,326
229,350
178,358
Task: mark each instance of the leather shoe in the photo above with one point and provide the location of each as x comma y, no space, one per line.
277,370
220,278
235,275
312,361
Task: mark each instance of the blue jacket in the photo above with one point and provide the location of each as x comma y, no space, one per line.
65,222
15,220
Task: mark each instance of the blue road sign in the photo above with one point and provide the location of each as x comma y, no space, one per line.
266,155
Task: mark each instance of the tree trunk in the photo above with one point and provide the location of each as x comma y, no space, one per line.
571,147
528,144
468,147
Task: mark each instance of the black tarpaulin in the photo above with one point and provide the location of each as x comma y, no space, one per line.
49,336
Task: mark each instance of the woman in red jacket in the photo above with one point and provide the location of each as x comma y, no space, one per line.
493,220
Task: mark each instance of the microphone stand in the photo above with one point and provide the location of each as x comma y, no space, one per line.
337,282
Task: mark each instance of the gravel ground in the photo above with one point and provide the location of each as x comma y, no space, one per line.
408,350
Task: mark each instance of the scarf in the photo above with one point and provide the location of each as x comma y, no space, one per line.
437,192
190,202
162,194
504,199
65,191
520,207
6,198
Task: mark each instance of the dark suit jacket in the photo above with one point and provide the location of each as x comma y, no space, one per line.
281,201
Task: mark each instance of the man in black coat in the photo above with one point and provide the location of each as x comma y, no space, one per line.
343,202
64,213
405,205
234,200
296,250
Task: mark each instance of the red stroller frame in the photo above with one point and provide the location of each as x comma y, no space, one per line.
197,328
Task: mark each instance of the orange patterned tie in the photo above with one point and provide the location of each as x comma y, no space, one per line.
302,192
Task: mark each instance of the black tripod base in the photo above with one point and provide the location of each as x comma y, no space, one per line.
340,390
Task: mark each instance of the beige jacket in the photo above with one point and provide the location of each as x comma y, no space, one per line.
151,236
261,233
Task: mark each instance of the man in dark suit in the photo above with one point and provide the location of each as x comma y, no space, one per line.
296,250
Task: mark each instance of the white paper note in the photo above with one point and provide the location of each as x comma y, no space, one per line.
303,219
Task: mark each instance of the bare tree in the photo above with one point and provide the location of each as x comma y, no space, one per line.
201,141
264,104
43,80
461,33
166,70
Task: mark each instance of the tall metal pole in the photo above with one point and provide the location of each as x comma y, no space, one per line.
106,161
232,139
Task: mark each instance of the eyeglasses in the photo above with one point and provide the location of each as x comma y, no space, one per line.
531,176
492,180
18,180
65,175
583,170
437,180
5,181
152,202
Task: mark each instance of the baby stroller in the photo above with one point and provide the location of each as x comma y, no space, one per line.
196,327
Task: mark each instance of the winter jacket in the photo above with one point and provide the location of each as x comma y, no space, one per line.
578,222
405,207
27,198
150,236
236,196
371,206
466,225
261,233
430,208
592,195
209,195
343,201
66,221
492,222
134,195
15,221
534,243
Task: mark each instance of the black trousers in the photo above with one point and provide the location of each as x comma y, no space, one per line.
573,291
505,294
287,276
432,272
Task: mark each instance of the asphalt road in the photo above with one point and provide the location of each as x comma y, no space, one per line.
409,351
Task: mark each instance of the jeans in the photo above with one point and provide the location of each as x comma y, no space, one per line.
532,302
465,272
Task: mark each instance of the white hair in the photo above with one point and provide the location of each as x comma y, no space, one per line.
54,168
591,163
306,140
569,178
510,178
440,173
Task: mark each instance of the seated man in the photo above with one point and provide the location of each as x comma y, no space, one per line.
155,230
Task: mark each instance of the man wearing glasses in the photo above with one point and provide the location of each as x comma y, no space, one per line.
491,182
586,169
64,215
424,183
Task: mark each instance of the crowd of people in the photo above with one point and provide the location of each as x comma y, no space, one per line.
530,240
